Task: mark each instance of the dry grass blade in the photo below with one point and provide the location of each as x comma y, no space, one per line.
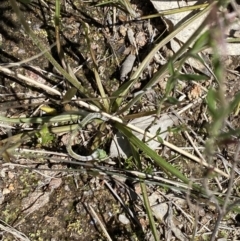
95,68
176,10
30,81
223,211
120,200
100,222
14,232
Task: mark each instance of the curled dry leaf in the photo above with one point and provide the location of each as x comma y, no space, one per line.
160,211
123,30
195,92
55,183
154,198
141,39
127,66
131,38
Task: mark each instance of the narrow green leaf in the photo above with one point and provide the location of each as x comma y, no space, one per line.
211,101
120,93
171,100
69,94
191,77
137,159
234,103
201,42
171,68
149,211
194,56
217,65
57,13
171,84
168,168
160,140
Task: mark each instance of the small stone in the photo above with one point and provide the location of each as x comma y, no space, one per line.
123,219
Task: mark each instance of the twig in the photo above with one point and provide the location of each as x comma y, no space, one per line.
120,200
14,232
30,81
100,223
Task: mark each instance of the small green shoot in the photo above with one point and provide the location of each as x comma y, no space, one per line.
44,136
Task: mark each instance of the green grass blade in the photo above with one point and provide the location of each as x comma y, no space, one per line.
57,13
137,159
149,211
168,168
190,77
95,68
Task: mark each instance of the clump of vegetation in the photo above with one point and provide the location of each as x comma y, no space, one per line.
114,74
